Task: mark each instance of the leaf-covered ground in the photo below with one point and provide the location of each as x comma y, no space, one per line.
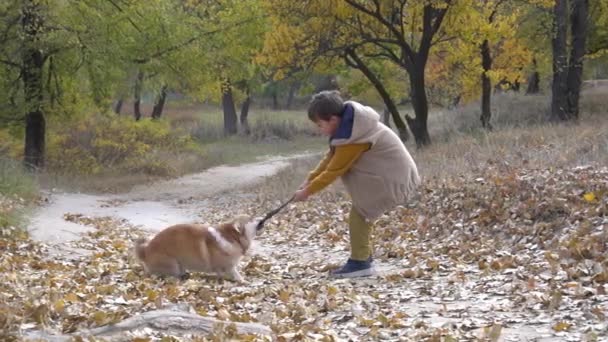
508,254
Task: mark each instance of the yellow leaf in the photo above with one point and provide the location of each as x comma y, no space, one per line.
495,264
284,295
561,326
223,314
173,292
331,290
494,332
202,311
590,197
59,305
100,317
167,339
40,314
71,297
366,322
152,295
409,273
120,245
384,320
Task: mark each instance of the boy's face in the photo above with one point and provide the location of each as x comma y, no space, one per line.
328,127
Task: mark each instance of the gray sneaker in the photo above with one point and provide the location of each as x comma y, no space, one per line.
354,269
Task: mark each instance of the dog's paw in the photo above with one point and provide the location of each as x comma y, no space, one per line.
234,275
240,281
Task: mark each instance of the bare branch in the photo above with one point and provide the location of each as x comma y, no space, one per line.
9,25
14,119
129,19
376,14
389,53
430,27
442,39
187,42
10,63
401,16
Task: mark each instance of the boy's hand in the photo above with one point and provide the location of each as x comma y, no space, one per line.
303,185
301,195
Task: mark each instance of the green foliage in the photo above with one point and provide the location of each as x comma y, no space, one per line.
94,144
598,29
14,181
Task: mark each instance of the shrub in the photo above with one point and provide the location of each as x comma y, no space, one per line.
98,143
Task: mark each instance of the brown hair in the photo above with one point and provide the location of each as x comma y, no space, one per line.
324,105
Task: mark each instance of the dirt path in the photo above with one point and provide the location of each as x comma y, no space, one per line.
152,207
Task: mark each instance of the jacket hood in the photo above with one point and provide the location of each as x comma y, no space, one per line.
356,122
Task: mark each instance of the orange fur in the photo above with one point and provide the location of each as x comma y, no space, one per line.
197,247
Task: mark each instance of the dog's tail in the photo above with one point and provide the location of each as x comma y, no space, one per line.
140,248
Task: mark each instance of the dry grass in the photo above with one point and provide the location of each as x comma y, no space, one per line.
14,180
508,111
207,126
205,123
18,191
541,146
521,137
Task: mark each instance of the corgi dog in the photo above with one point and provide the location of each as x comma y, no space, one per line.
198,247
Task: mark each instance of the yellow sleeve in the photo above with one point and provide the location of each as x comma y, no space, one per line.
321,166
339,163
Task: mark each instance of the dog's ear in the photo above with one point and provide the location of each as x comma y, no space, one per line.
240,222
239,227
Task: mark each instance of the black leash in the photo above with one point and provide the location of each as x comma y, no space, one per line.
272,213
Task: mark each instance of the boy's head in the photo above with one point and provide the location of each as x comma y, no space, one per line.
325,110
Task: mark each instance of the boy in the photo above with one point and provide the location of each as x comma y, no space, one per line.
376,169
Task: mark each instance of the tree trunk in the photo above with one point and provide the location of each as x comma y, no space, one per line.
159,104
579,22
533,83
455,102
275,100
137,95
418,125
35,131
486,85
533,80
245,115
293,88
515,85
353,60
118,105
415,64
386,117
560,61
505,85
33,62
230,119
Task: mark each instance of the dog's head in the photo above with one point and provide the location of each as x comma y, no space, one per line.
245,226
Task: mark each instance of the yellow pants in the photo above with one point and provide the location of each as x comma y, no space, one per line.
360,236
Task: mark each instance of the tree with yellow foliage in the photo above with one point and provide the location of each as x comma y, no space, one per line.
319,32
486,51
318,36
